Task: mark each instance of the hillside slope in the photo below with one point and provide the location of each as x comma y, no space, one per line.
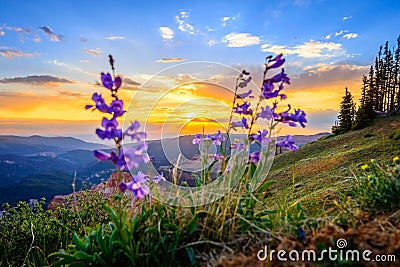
311,173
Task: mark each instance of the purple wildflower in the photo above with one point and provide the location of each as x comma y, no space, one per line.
101,155
278,62
242,123
132,131
269,90
243,109
288,142
108,82
244,82
110,131
99,103
159,178
133,157
281,77
117,107
137,186
197,139
140,177
104,156
298,116
216,138
244,95
138,190
292,119
267,112
261,137
254,157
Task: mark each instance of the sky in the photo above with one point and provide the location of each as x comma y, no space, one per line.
179,59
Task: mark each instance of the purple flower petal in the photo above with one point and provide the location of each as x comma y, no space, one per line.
101,155
122,187
117,82
159,178
254,157
107,81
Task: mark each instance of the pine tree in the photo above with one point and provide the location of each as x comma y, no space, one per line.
347,113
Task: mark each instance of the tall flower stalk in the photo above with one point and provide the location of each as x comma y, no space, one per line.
124,158
271,88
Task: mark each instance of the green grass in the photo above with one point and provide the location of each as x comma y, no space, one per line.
322,167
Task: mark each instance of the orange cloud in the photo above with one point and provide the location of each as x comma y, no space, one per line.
38,80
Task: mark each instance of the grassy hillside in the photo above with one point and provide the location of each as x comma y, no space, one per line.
314,172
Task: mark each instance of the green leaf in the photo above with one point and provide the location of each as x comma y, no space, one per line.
266,185
191,255
171,226
152,230
63,258
82,255
79,242
191,227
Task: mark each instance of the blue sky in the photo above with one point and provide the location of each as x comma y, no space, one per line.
51,52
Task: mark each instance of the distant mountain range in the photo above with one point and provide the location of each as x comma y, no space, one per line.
36,166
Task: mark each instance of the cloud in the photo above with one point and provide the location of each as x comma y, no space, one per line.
346,18
53,37
212,42
43,80
224,20
113,38
166,33
129,83
21,30
183,25
350,35
240,39
56,62
16,29
93,52
37,39
10,53
209,29
340,32
171,59
321,75
321,67
310,49
327,37
71,94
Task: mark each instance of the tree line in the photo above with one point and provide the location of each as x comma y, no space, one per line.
380,92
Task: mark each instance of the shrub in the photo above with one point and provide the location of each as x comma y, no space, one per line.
28,234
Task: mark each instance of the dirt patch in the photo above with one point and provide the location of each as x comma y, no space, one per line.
380,235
